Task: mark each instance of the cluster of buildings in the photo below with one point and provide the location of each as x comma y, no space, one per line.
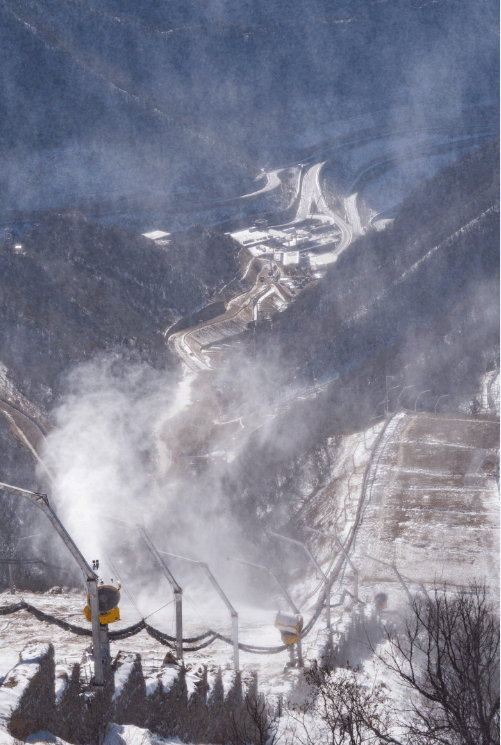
288,244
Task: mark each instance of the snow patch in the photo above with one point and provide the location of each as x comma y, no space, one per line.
129,734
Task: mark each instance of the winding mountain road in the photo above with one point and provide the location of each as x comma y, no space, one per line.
240,310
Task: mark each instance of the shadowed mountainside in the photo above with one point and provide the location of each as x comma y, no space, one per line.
78,288
109,98
417,302
439,254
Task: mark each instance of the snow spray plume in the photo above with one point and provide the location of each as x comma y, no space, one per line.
119,452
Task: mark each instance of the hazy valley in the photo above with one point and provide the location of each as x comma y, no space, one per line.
249,290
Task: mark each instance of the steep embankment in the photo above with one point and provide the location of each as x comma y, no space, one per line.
431,503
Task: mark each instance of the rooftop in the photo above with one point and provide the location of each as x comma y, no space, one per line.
156,234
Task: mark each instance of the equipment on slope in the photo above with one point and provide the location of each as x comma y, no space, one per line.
381,600
42,502
289,600
220,592
289,626
108,598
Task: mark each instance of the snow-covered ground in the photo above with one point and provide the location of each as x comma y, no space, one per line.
350,204
118,734
432,504
335,506
428,503
416,491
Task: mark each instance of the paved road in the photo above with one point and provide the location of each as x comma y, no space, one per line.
351,210
311,192
241,309
239,312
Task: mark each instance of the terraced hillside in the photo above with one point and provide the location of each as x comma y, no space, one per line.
431,502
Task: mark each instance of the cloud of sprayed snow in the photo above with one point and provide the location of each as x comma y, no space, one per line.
103,452
116,453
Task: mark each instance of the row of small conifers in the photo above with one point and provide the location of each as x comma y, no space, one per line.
195,705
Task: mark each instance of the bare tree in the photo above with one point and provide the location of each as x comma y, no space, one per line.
448,656
342,711
256,723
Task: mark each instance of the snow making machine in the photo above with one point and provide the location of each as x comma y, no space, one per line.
108,598
290,626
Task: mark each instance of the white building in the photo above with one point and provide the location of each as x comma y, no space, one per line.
291,257
156,235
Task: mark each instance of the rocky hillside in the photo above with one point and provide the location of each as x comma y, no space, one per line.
429,278
76,288
112,98
412,310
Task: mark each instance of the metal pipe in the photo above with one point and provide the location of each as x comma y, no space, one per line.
178,599
11,580
236,655
96,631
272,574
355,570
175,586
156,554
42,502
404,389
445,395
219,590
324,578
105,640
392,566
287,596
32,561
420,394
299,646
377,407
176,589
386,399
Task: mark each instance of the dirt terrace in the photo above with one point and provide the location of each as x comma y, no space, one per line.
432,501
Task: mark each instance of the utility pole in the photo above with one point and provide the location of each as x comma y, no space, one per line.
42,502
404,389
219,590
419,395
286,595
386,399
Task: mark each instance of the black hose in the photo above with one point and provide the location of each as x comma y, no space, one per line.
160,636
6,609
